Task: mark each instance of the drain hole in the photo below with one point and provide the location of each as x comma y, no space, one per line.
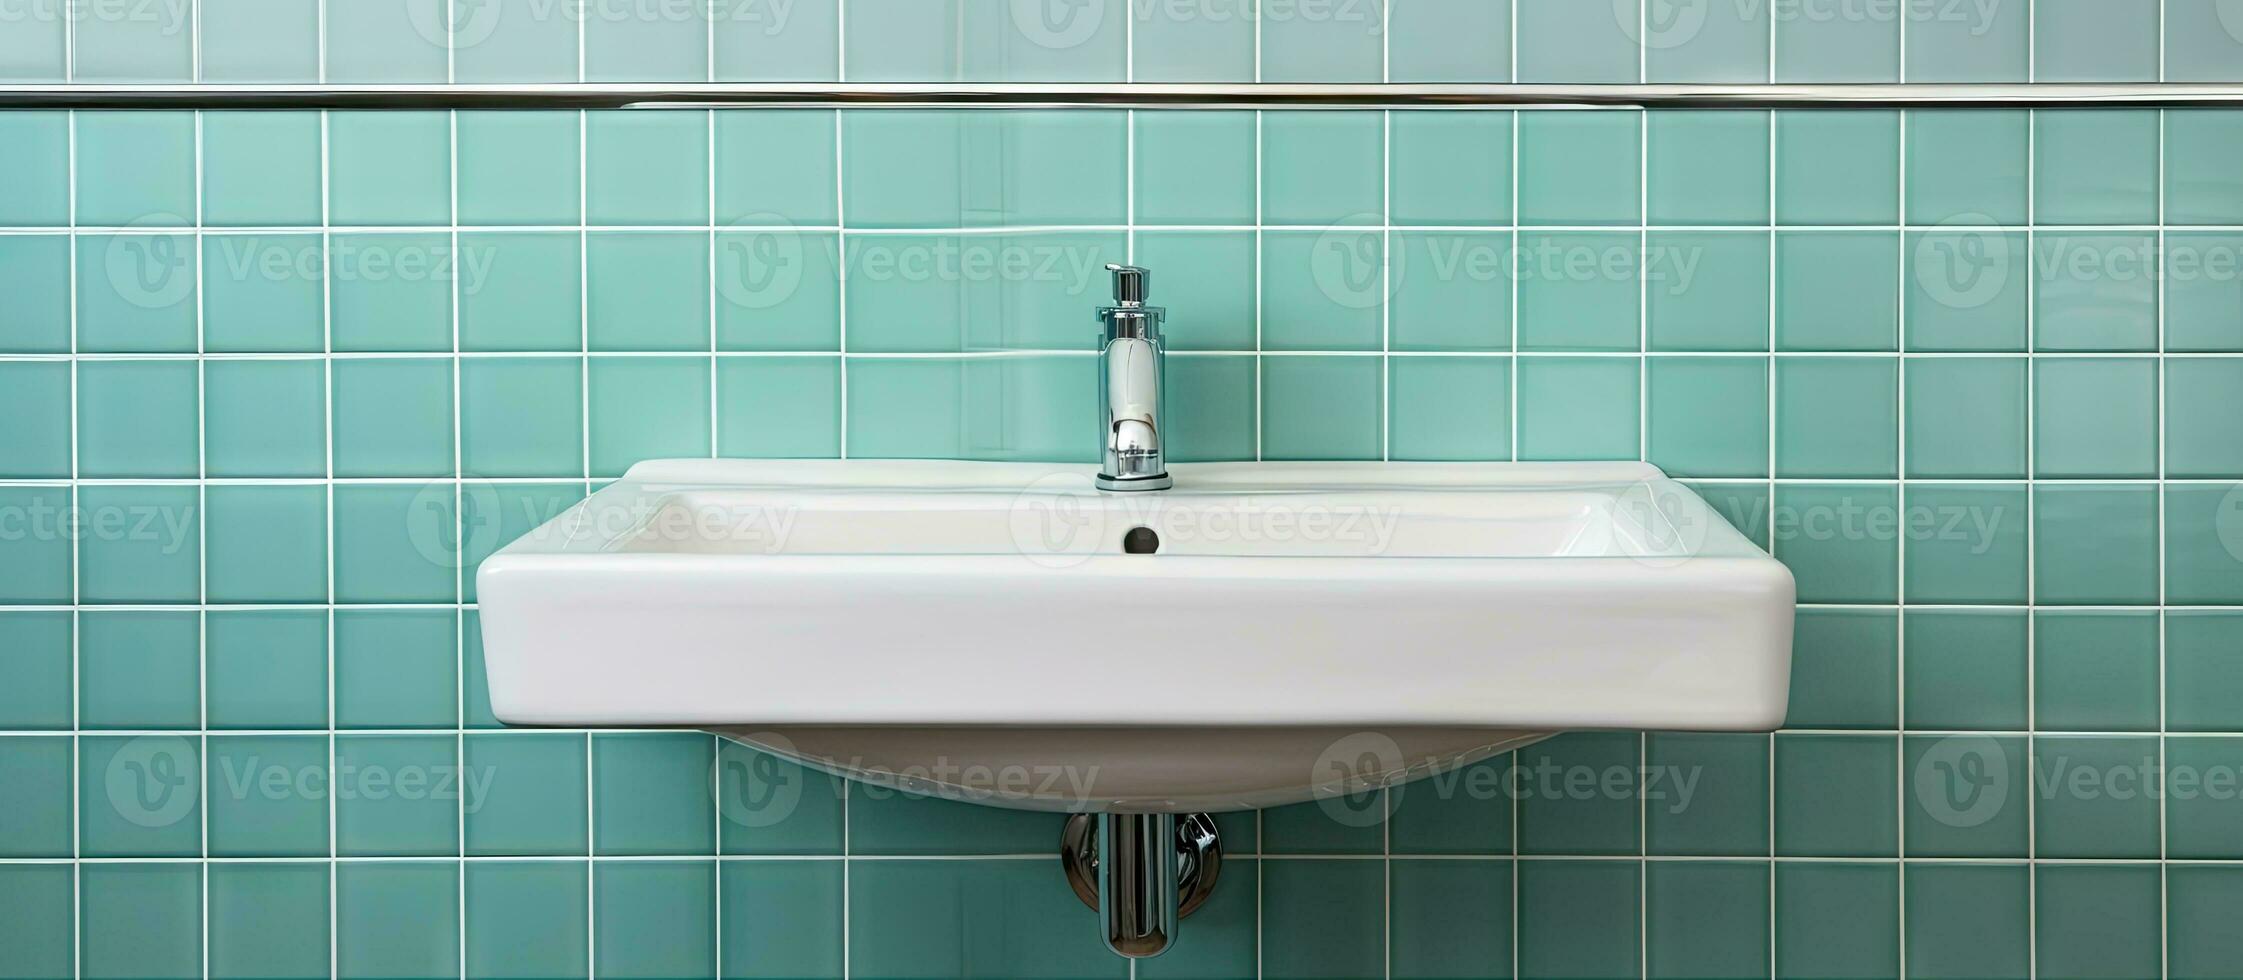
1140,541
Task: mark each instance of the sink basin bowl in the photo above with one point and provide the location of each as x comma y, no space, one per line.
1262,634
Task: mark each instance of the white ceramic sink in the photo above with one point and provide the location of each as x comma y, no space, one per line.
981,631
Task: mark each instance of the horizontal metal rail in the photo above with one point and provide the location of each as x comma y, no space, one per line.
967,95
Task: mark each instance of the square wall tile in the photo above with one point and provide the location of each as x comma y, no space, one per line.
1708,168
1344,43
1969,920
1837,291
1707,919
415,814
1968,291
1837,417
153,550
1198,168
1321,168
396,668
159,815
138,419
951,917
776,168
648,408
2203,402
2203,562
1708,416
1968,167
265,668
2095,544
1726,811
647,168
1324,292
1990,43
780,407
1450,918
389,168
528,918
1564,41
1954,807
396,543
1450,408
1837,168
2095,168
397,919
1012,408
2095,417
1213,401
937,293
392,292
2095,671
1708,45
520,168
42,935
1467,813
261,169
268,920
2203,42
2199,189
264,294
1183,44
1449,168
895,823
942,169
522,416
778,290
1580,168
1837,920
140,920
2203,310
37,50
369,43
651,793
1573,408
37,673
1969,670
517,41
36,567
1322,408
2095,40
1580,291
1707,291
1967,544
260,40
36,398
1447,41
1838,541
147,44
2100,921
136,293
268,797
758,43
1834,795
1209,282
393,416
37,772
1453,292
2197,900
648,291
647,44
2203,671
2083,809
1860,45
769,805
139,670
528,294
265,544
35,270
1966,418
2201,822
1579,918
534,798
36,168
1606,818
265,418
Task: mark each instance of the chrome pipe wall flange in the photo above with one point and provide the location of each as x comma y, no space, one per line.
1199,859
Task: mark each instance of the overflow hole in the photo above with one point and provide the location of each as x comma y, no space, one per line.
1141,541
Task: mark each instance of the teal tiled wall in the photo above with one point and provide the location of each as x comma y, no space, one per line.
273,383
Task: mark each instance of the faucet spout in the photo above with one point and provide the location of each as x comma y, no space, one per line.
1130,387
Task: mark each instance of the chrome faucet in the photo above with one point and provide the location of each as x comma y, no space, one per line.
1129,383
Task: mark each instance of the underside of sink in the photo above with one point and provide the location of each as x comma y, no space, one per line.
1264,633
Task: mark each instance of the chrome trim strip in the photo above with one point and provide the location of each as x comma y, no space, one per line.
967,95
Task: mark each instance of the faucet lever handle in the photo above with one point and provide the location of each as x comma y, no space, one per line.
1131,284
